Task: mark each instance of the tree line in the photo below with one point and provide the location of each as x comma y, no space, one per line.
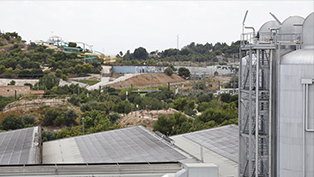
192,52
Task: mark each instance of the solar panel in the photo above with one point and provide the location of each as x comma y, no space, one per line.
133,144
222,140
15,146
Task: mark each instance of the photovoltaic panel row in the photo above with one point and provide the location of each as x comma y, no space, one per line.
132,144
15,146
222,140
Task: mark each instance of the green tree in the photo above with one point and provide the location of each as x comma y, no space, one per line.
50,115
75,100
114,117
28,118
164,125
203,106
172,67
205,97
65,77
69,132
48,135
70,116
12,82
180,104
58,73
225,97
72,44
49,81
11,122
140,53
168,71
122,107
184,72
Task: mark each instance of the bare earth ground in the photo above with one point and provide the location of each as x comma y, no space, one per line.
145,80
147,117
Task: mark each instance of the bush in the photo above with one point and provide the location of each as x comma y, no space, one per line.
225,97
205,97
75,100
65,77
168,71
12,82
50,115
59,120
190,112
122,107
114,117
28,118
86,107
58,73
30,85
11,122
184,72
70,116
172,67
48,136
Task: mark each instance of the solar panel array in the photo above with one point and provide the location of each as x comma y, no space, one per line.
222,140
15,146
133,144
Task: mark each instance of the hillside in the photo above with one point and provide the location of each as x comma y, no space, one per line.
145,80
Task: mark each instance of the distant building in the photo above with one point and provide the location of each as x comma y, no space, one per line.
20,90
11,89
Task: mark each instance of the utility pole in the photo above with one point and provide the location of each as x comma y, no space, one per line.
178,46
234,75
83,125
194,83
204,87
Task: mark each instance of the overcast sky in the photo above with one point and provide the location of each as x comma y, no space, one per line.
113,26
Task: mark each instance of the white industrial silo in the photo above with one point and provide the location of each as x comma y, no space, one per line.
265,33
276,100
295,142
291,29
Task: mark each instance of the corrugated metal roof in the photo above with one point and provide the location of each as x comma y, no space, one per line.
133,144
18,146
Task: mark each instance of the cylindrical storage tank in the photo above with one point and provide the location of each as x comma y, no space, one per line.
308,33
295,134
291,29
264,31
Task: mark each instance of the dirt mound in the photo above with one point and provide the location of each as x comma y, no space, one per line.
145,80
146,117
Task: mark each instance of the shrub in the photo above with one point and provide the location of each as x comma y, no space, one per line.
65,77
75,100
28,118
48,135
12,82
86,107
184,72
70,116
114,117
58,73
122,107
168,71
11,122
50,115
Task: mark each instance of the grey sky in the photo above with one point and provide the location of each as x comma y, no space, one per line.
113,26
